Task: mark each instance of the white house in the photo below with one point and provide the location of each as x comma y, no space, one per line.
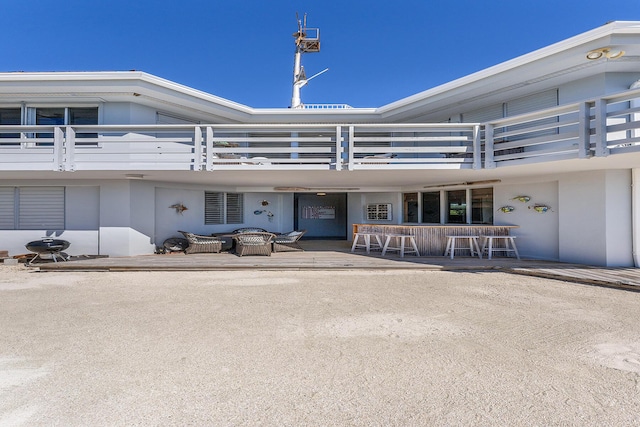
98,158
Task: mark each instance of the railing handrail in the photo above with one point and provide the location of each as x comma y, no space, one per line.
591,127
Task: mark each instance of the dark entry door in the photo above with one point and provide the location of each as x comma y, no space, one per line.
323,216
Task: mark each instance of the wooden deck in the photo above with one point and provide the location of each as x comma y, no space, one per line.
327,255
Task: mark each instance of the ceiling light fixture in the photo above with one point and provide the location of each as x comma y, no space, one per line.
607,52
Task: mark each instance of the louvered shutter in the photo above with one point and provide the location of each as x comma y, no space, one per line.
482,115
7,208
235,208
535,102
41,208
527,104
213,208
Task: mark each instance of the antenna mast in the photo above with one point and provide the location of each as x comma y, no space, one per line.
307,40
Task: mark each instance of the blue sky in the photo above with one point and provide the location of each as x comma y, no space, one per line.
378,51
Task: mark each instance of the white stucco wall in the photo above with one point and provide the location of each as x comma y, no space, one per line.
595,218
126,211
357,202
127,113
168,222
81,218
116,113
537,233
619,232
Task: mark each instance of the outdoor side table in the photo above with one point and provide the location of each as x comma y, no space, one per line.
401,244
509,245
366,242
473,246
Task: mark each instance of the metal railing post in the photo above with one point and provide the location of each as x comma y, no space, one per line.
197,148
70,149
58,149
477,148
350,148
584,131
209,142
339,148
489,162
601,128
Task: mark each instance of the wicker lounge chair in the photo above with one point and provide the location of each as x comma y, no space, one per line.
288,242
254,243
200,244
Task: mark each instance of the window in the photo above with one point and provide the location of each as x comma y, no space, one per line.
431,207
410,207
453,204
482,206
32,208
235,208
10,116
457,206
379,212
223,208
60,116
83,116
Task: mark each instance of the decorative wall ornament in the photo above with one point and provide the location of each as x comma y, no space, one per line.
541,208
269,214
179,207
523,199
507,209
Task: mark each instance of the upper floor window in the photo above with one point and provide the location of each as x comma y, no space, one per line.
62,116
8,117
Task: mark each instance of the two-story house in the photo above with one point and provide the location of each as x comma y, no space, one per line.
549,141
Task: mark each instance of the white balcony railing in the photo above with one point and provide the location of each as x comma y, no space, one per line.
601,127
608,125
234,147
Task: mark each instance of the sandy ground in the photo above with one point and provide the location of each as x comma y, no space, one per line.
309,348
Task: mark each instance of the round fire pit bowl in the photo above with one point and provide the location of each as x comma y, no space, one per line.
50,246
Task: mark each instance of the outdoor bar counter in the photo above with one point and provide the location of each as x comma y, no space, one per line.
432,239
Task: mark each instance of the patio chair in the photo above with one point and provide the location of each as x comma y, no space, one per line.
288,242
249,230
202,244
258,243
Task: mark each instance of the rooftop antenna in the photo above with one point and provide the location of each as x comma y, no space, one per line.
307,41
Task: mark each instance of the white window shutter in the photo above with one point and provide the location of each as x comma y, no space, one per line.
235,208
7,208
213,208
41,208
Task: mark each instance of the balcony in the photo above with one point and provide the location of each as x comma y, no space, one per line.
596,128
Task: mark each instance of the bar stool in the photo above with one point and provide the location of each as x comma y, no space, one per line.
473,248
509,245
400,238
366,242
